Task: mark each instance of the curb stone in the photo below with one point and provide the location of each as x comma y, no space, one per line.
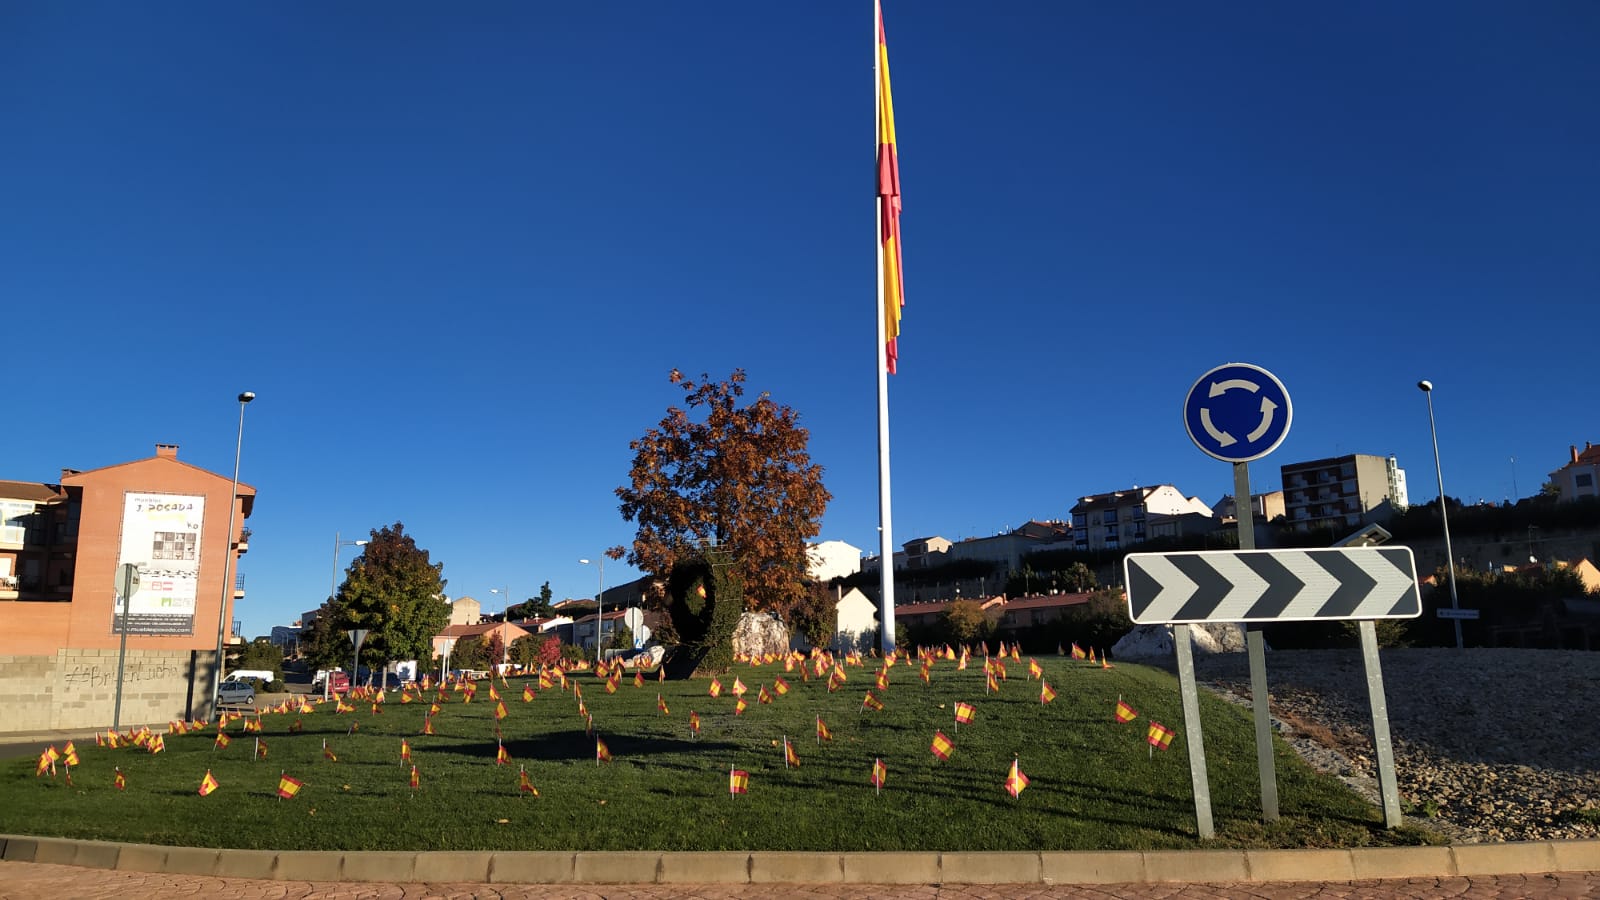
737,867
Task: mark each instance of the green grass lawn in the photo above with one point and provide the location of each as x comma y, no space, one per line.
1095,783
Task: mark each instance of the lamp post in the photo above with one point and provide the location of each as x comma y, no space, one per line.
227,557
1444,515
333,582
599,607
505,615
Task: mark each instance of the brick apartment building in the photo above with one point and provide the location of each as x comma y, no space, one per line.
60,546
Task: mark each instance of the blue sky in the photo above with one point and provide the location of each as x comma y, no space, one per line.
456,250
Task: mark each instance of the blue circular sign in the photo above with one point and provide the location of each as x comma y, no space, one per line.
1237,412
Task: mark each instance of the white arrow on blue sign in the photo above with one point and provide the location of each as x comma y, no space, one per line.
1272,585
1237,412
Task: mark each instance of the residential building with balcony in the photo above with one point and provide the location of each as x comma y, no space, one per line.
1580,477
60,548
1342,491
1119,519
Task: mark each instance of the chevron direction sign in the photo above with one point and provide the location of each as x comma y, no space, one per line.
1272,585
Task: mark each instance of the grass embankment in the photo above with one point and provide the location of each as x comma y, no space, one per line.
1095,783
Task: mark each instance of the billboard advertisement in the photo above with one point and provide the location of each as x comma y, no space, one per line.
161,536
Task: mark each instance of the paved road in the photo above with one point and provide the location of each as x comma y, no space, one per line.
31,881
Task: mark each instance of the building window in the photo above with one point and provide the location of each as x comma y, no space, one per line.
1108,517
1583,480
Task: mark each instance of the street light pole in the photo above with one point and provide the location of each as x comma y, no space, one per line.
333,582
505,617
599,608
1444,515
227,557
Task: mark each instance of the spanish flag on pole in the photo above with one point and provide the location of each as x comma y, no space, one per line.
892,290
207,784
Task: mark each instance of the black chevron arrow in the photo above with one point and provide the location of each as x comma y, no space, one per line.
1210,587
1282,586
1354,585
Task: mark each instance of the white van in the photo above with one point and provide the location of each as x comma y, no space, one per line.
247,674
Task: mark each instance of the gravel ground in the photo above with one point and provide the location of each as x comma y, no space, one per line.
1490,744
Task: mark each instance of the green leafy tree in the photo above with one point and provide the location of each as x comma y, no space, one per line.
470,653
534,607
817,615
964,622
397,594
724,472
262,654
323,644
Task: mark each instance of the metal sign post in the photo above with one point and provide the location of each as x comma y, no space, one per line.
1256,647
127,583
1387,786
1239,412
357,637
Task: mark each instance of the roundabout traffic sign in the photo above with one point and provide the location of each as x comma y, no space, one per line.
1237,412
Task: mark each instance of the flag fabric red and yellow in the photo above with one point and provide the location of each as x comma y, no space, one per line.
780,686
1124,712
738,687
1046,692
790,758
221,741
1077,652
823,734
46,764
416,778
889,205
694,721
261,749
1034,669
501,757
740,706
882,683
602,753
405,750
328,752
965,713
738,781
156,744
427,725
119,780
942,745
661,704
1159,735
525,784
69,754
991,684
499,711
762,696
527,693
288,787
1015,780
716,688
208,784
880,773
872,702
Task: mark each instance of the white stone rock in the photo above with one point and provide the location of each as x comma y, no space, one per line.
760,633
1155,642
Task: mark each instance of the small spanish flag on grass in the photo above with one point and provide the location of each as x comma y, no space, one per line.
501,757
288,787
880,774
942,745
790,758
207,784
1159,736
694,723
1124,712
119,780
661,705
1015,780
525,784
738,781
965,712
823,734
716,688
1046,692
602,753
871,702
416,778
780,686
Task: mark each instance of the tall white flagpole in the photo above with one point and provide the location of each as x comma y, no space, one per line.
885,532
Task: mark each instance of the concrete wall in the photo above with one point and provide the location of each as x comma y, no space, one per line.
77,688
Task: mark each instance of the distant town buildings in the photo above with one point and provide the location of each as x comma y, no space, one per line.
1114,520
1580,477
1342,491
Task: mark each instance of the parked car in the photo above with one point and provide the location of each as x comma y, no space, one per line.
236,693
338,682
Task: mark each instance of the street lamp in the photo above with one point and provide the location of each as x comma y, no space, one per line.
1449,555
505,615
599,607
333,583
227,558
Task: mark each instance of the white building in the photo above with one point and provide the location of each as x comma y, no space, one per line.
828,560
1119,519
